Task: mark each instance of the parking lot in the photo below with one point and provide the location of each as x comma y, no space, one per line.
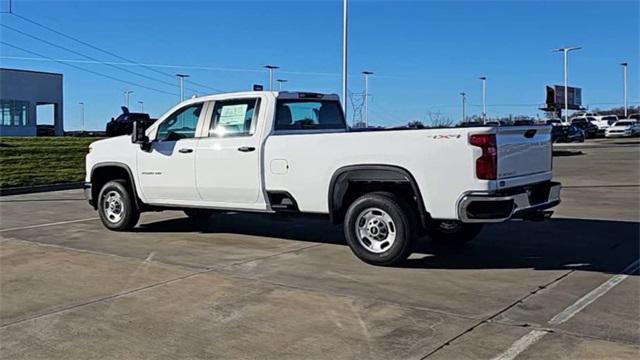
252,286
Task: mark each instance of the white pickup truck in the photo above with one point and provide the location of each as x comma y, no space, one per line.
274,152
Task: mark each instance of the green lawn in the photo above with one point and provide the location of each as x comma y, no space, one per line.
42,160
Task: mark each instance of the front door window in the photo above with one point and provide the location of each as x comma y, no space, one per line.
180,125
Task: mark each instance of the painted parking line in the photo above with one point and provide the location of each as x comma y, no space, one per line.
535,335
48,224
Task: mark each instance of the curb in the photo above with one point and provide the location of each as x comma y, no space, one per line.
41,188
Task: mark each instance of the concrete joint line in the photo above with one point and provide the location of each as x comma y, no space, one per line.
48,224
132,291
534,336
102,299
490,318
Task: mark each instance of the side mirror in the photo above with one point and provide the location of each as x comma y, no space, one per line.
138,135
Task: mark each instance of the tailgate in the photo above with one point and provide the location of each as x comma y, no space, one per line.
523,150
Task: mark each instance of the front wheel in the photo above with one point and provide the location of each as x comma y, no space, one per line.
452,232
379,228
116,206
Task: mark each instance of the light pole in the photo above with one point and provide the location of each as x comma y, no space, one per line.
366,97
280,82
565,51
484,98
464,100
82,115
271,68
181,78
624,74
344,56
126,97
141,106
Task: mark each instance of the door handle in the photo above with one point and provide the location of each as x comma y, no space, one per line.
246,148
185,151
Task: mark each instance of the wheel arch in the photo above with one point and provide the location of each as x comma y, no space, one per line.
358,179
101,173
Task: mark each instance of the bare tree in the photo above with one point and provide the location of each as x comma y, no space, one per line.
436,119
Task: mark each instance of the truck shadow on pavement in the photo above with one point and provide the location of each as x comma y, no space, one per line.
588,245
557,244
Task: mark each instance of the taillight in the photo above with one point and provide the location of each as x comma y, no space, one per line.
486,164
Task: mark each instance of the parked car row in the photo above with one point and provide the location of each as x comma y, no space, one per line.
601,124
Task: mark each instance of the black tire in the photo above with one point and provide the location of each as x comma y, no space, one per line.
112,218
198,214
452,233
402,222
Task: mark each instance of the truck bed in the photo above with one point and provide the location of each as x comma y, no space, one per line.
439,160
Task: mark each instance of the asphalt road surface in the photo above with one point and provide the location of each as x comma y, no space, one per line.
257,287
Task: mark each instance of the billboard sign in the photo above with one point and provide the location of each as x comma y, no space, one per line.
555,97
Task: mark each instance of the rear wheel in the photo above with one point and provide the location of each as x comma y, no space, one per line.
452,232
379,228
116,206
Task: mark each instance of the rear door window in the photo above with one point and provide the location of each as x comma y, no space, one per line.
234,118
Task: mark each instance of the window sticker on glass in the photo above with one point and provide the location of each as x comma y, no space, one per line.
233,115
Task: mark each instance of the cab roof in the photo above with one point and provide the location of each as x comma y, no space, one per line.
277,94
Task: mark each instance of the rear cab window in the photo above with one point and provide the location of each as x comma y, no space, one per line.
301,115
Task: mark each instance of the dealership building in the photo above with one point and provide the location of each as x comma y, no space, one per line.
22,95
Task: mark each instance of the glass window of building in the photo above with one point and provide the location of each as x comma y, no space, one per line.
14,113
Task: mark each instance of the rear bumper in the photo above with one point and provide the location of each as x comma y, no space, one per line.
521,202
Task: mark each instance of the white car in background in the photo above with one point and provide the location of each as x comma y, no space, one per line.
603,122
623,128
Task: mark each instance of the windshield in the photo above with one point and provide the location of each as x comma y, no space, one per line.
623,123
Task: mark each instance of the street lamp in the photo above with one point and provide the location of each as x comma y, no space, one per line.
141,106
565,51
464,100
181,78
271,68
126,97
280,82
344,56
82,115
624,73
484,98
366,97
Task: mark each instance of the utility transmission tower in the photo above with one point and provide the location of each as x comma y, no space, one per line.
357,105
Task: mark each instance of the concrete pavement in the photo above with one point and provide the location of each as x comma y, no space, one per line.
249,286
